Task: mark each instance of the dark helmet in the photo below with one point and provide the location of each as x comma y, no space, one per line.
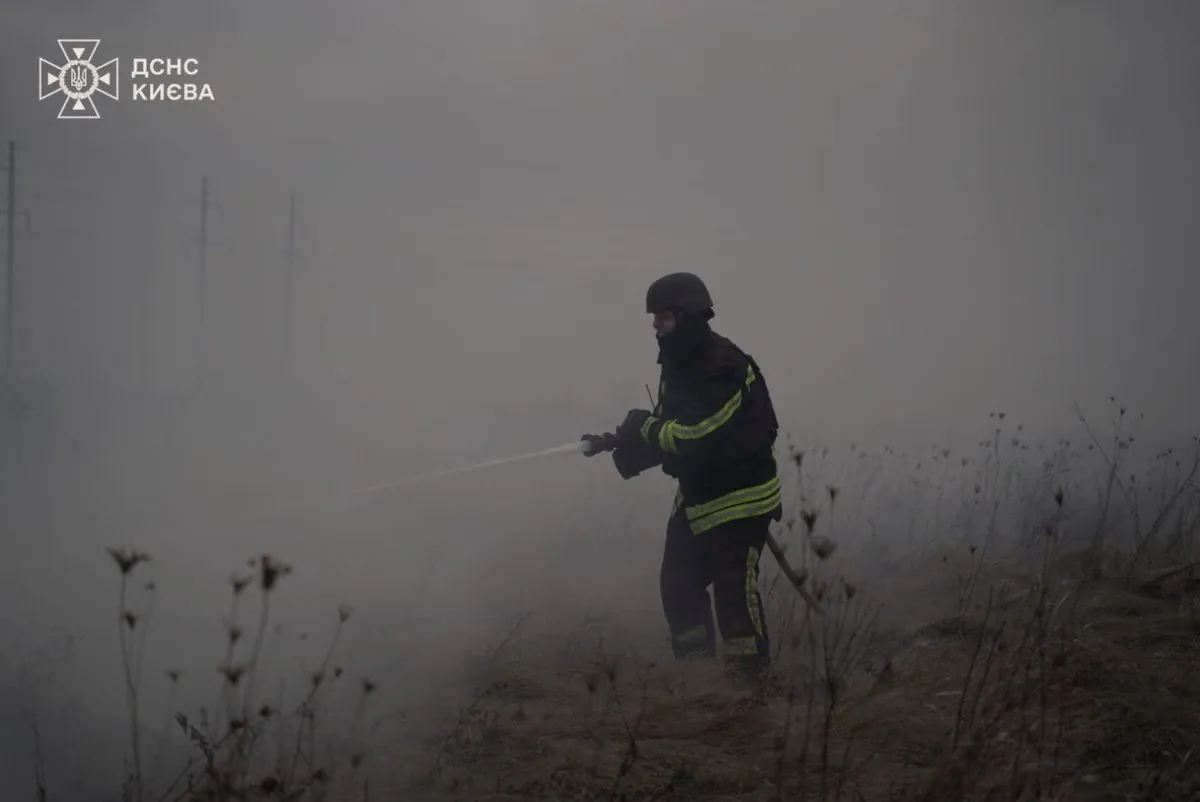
684,291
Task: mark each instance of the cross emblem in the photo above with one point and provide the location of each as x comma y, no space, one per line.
78,78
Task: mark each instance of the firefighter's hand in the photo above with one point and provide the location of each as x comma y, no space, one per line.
627,461
631,427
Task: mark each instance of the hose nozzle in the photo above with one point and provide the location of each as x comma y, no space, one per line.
592,444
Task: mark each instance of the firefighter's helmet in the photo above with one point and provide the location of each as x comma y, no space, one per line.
683,291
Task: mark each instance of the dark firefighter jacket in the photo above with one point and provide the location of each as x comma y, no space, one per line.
713,428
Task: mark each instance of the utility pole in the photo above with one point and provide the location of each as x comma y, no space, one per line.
201,362
10,263
287,284
10,260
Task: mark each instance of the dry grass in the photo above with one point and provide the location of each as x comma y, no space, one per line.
1102,707
1005,667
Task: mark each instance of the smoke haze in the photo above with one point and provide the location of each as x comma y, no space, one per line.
910,216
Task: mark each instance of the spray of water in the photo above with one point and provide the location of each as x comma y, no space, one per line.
366,490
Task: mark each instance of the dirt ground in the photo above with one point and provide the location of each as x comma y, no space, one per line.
1087,693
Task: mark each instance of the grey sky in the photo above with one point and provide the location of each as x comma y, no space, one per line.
911,213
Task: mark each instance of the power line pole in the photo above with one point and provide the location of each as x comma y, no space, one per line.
10,295
10,259
287,284
201,361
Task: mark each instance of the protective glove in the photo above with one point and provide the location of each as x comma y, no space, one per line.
628,460
631,427
598,443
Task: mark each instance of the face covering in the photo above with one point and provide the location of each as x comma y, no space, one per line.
690,332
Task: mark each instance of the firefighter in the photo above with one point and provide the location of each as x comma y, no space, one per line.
713,428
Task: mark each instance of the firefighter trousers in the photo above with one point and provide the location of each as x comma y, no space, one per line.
725,557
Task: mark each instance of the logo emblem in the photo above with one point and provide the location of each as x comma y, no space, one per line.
78,78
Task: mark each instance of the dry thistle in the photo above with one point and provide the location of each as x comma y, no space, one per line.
127,559
173,675
809,517
344,612
833,493
823,547
1058,497
368,687
356,760
265,711
235,634
270,571
233,673
850,590
239,583
317,678
130,618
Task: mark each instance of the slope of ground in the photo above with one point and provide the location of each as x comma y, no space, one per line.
1084,693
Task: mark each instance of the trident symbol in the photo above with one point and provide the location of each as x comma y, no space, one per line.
78,78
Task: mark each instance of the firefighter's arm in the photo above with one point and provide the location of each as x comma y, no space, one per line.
705,423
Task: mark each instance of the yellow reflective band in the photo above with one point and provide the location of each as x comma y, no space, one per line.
709,424
750,510
752,598
666,440
645,430
743,496
697,634
741,647
673,431
693,642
